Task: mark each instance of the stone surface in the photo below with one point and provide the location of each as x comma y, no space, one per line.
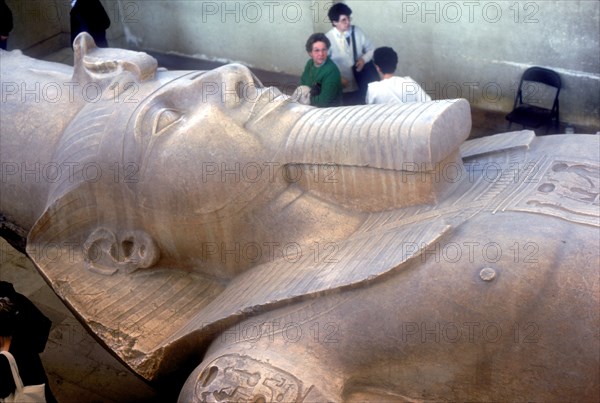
174,211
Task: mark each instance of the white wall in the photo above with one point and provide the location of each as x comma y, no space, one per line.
264,34
479,49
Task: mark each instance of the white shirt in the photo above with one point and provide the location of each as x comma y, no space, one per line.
396,90
342,55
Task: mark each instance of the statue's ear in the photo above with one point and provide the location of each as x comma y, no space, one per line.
103,65
107,252
96,240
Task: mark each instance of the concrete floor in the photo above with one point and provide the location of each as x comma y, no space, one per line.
79,369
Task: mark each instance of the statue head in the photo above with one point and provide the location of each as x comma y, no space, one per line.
168,160
163,163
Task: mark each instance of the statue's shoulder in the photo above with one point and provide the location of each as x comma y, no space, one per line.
17,66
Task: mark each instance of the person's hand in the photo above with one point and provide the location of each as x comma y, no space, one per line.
345,82
360,63
3,37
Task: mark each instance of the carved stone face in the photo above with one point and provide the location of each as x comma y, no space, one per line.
165,163
205,154
195,142
202,150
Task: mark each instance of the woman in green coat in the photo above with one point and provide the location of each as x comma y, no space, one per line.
321,74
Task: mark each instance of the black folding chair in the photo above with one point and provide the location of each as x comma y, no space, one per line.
529,109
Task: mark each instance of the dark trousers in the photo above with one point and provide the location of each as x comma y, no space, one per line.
353,98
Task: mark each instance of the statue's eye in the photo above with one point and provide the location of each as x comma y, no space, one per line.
163,119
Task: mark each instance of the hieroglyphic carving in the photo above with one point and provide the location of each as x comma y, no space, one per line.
563,188
236,378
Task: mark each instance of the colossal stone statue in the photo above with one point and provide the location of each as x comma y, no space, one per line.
198,220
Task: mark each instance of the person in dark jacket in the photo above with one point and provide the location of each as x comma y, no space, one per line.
24,330
89,16
6,24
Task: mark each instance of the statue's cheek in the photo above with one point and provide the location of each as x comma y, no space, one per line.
203,167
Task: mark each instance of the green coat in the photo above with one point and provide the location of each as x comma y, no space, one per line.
330,79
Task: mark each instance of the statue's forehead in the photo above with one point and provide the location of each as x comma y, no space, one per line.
162,81
164,77
168,85
185,89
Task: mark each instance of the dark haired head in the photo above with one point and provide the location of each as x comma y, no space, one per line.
8,317
337,10
318,37
386,59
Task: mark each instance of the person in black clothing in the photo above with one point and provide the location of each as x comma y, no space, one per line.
24,330
6,24
89,16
